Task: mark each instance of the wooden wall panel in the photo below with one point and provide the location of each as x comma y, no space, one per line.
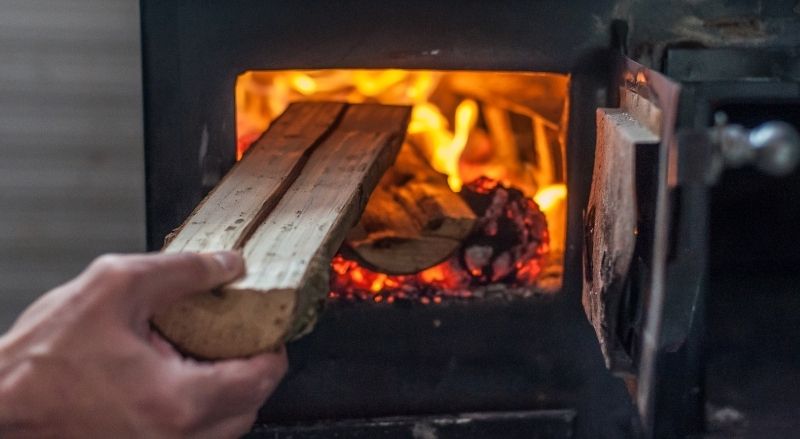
71,154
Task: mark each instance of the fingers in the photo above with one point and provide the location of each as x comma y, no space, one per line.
229,388
157,280
232,427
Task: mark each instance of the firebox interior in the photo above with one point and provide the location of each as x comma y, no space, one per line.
507,129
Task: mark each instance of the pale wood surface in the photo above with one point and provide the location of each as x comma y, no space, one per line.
325,201
232,210
412,221
71,153
288,255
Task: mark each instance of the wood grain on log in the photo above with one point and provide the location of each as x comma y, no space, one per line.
412,221
226,217
610,224
289,243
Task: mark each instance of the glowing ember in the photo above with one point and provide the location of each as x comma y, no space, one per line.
507,247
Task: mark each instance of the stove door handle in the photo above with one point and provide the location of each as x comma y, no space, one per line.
773,147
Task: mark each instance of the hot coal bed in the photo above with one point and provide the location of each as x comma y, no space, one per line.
518,361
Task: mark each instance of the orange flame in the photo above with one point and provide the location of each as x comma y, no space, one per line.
444,127
443,138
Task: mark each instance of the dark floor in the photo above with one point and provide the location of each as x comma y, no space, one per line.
753,355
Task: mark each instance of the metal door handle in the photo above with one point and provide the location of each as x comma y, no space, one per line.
773,147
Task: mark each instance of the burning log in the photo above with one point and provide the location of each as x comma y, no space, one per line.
288,206
413,220
508,246
510,238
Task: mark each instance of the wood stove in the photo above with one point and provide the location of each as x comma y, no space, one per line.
527,365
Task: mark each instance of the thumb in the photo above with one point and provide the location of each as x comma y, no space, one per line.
151,282
178,275
174,276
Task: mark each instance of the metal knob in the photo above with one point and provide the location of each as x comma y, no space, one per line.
777,146
772,147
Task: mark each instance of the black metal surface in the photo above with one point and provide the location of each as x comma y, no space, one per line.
660,26
525,355
679,395
367,360
544,424
753,364
748,235
379,361
748,86
503,356
194,51
733,64
371,361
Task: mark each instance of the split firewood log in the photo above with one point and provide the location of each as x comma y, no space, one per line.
412,221
287,206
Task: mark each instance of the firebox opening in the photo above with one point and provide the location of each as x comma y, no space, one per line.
498,141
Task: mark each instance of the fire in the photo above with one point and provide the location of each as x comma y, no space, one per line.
385,86
447,147
548,197
303,84
508,246
357,282
467,124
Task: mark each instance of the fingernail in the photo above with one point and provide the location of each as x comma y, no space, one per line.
230,261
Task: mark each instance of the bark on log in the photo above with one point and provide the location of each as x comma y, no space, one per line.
289,231
413,220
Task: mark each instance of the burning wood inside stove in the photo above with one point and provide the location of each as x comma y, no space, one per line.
474,205
418,238
508,247
412,221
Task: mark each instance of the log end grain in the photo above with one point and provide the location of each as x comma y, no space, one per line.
229,323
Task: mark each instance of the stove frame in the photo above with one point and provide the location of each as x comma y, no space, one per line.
374,361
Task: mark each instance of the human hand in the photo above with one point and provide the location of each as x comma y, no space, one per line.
83,361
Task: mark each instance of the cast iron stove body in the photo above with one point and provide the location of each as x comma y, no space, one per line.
525,366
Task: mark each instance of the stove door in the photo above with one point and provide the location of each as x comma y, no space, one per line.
626,228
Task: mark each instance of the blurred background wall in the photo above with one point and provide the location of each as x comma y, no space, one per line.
71,148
